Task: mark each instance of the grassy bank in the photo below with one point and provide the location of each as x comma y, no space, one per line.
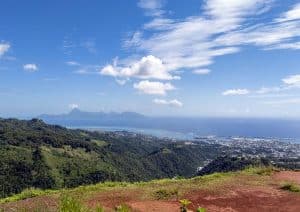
161,188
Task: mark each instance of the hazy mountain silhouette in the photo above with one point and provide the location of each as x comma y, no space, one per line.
260,127
82,118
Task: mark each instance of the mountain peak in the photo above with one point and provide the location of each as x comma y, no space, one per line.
75,110
77,117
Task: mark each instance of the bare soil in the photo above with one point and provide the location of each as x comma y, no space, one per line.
287,176
247,199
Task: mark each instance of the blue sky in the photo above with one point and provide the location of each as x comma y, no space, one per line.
232,58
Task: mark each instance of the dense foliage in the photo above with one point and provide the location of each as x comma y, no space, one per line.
34,154
227,164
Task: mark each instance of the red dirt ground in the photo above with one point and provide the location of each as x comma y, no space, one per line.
266,198
155,206
247,199
288,176
236,198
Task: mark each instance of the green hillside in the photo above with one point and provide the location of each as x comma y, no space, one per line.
34,154
227,164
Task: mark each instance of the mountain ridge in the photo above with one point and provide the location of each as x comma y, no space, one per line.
252,127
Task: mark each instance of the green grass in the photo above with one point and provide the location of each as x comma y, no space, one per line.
155,189
27,193
292,187
210,182
263,170
99,143
122,208
70,204
160,189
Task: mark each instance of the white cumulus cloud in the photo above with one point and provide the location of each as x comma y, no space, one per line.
233,92
31,67
148,67
293,80
153,88
4,47
73,106
172,103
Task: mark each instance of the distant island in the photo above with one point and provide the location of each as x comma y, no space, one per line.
77,117
253,127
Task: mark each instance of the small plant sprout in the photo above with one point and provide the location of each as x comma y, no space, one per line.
184,203
200,209
122,208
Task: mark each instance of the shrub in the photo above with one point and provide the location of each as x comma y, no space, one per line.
165,194
291,187
29,193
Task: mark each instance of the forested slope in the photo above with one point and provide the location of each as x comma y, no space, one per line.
34,154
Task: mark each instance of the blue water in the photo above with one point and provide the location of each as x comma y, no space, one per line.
163,133
153,132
